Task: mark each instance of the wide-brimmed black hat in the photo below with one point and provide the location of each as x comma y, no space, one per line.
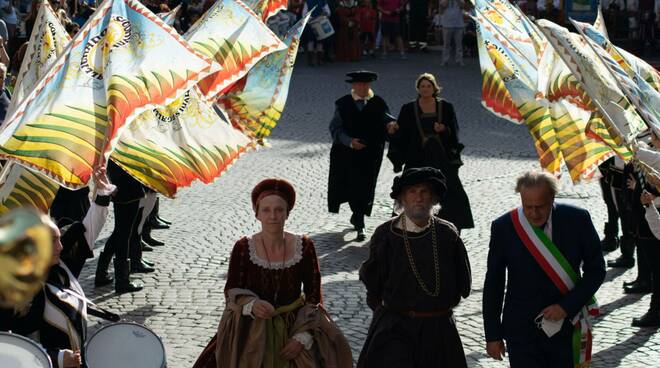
420,175
361,76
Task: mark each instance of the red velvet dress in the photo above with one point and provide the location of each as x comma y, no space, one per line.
348,35
248,271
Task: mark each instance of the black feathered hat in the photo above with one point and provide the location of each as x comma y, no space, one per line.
414,176
361,76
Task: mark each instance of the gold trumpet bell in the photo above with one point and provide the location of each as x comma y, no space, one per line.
26,250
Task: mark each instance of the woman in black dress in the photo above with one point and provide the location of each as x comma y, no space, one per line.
427,136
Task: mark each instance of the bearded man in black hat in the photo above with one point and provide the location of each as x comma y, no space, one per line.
359,128
417,272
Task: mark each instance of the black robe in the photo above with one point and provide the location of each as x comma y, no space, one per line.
353,173
441,151
398,340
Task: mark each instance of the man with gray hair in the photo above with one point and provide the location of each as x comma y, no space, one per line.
417,272
536,250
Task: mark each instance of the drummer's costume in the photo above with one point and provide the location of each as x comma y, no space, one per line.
56,316
413,323
354,173
517,249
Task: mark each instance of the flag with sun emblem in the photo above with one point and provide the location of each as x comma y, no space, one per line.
47,42
235,38
255,104
123,62
22,187
170,147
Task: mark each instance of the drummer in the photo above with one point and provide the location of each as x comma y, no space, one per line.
56,316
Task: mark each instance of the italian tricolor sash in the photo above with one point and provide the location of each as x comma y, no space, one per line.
562,274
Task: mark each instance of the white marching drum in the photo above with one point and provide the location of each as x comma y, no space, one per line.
321,27
19,352
125,344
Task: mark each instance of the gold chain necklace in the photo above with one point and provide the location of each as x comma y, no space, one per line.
277,281
411,260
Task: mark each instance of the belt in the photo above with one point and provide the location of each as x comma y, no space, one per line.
421,314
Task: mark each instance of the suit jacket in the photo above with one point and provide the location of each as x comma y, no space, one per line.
528,288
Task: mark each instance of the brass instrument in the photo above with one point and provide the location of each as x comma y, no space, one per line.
25,255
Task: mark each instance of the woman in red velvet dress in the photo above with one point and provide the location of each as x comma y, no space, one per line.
273,315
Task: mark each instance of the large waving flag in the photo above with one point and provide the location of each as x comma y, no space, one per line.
170,16
235,38
256,104
514,60
47,42
645,99
20,186
124,61
596,79
170,147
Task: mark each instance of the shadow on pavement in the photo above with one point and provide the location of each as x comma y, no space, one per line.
616,353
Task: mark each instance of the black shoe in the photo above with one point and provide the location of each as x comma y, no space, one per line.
622,262
148,263
156,224
649,319
123,283
167,222
102,278
609,243
141,267
151,241
360,235
128,287
638,287
146,247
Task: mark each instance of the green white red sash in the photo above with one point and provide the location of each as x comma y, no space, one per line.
562,274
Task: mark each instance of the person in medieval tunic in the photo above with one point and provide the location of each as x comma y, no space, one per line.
348,34
536,252
268,322
416,273
56,316
427,135
359,128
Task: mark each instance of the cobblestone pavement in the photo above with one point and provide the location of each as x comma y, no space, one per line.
183,300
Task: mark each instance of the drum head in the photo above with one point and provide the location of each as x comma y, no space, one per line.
19,352
124,345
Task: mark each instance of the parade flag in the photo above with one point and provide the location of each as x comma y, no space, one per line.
26,188
644,98
47,42
513,60
235,38
266,8
599,23
124,61
168,148
170,16
21,187
256,103
596,79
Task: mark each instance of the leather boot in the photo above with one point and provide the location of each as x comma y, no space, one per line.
611,240
146,237
649,319
123,283
638,287
141,267
626,260
156,224
320,58
102,277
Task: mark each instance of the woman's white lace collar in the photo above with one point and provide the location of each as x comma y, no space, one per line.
297,255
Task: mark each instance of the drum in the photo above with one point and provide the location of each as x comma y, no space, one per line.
321,27
125,344
17,351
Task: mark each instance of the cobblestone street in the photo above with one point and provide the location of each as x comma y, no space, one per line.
183,299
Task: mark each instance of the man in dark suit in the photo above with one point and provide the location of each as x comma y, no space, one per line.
535,300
